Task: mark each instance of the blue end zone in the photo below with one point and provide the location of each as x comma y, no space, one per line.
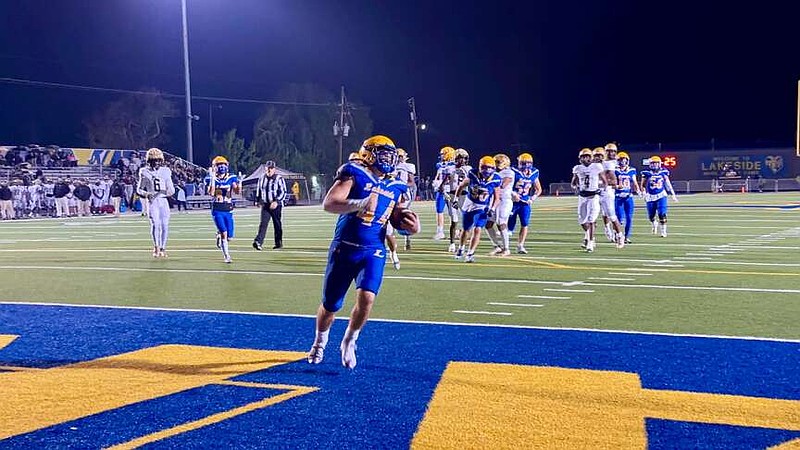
382,402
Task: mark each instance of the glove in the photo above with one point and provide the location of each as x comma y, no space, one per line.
455,203
489,213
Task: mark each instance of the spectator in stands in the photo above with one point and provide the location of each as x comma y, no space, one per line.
97,198
270,193
6,204
83,196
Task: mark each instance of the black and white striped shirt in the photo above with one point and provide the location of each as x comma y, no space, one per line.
271,189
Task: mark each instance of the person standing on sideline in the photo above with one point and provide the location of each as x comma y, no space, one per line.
180,197
270,192
115,192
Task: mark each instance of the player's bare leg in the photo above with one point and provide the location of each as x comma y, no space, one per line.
494,236
523,235
358,317
439,227
324,322
505,238
473,245
607,228
462,243
453,235
590,230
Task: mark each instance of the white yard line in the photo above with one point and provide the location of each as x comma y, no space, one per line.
488,313
544,297
632,273
611,279
529,305
568,290
420,322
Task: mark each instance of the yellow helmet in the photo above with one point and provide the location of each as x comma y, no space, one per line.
447,154
374,145
655,158
462,153
487,161
585,152
525,157
401,153
621,155
354,157
502,161
599,151
611,146
219,160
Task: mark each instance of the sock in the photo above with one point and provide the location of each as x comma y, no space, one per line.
493,236
321,338
439,230
663,228
506,238
225,248
164,236
586,235
350,335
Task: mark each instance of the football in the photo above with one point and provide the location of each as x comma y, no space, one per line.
405,221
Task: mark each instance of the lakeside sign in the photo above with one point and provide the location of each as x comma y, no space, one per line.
768,166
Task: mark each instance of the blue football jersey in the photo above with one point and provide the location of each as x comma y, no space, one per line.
523,183
223,191
624,181
655,184
367,228
480,190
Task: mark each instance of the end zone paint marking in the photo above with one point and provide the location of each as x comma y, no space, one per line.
491,313
514,304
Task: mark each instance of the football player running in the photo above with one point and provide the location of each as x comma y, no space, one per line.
443,185
364,198
483,198
525,177
221,186
608,158
656,185
627,185
462,169
586,182
504,207
154,187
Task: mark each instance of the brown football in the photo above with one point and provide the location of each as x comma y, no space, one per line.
405,219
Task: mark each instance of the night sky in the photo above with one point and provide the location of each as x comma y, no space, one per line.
551,76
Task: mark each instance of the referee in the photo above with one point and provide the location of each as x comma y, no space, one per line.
270,193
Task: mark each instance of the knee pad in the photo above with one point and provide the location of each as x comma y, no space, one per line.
662,218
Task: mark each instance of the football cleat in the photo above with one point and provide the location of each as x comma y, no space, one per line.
470,258
452,248
459,253
228,259
590,247
521,250
256,246
628,241
155,253
585,243
408,243
609,234
315,354
496,252
438,236
506,252
349,354
655,227
395,260
162,253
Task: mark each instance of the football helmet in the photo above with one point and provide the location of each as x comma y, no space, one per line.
585,152
611,150
220,164
154,157
462,157
502,161
611,146
379,152
447,154
487,166
525,161
402,156
623,159
655,162
354,157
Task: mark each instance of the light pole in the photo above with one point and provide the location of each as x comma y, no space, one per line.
412,105
211,109
189,116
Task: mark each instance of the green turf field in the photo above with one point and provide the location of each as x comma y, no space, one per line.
729,267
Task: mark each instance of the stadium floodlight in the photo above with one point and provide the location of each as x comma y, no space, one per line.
423,126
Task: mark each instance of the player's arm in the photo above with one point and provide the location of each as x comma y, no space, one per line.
575,183
170,186
139,186
669,188
411,174
437,181
461,187
635,184
537,190
337,201
610,178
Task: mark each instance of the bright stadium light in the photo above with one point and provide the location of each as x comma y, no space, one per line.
423,126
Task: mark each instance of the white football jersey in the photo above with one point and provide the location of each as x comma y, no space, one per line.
588,176
405,170
155,181
505,193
